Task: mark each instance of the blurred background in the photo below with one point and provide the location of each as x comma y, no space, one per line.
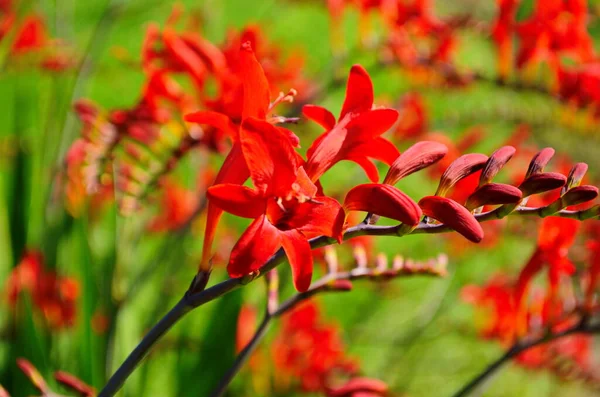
93,254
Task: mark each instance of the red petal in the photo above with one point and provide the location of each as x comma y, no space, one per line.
237,200
258,243
325,150
378,148
270,157
368,166
454,215
320,115
323,216
539,161
461,167
256,87
235,171
415,158
383,200
214,119
542,182
359,92
494,194
184,54
299,255
495,163
371,124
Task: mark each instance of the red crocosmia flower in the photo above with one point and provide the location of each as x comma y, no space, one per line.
356,136
594,271
556,237
177,206
556,28
32,35
256,104
360,387
55,297
283,214
502,35
384,200
415,158
309,350
497,295
452,214
412,122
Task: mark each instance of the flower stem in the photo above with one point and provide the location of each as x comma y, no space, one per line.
135,357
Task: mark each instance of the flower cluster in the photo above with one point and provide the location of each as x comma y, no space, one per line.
519,309
54,296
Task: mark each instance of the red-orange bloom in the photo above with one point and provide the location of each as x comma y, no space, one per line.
282,214
357,134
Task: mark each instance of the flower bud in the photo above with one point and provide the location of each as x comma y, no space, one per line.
495,163
493,194
454,215
415,158
461,167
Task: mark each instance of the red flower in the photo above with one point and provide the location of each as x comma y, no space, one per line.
356,136
309,350
256,104
282,215
55,297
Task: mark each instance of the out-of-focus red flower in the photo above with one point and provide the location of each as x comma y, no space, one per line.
502,31
413,119
357,134
177,206
556,28
55,297
32,38
310,351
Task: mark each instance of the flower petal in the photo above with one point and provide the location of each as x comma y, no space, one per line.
415,158
256,245
359,92
494,194
539,161
256,87
461,167
237,200
270,157
320,115
322,216
495,163
454,215
233,170
371,124
368,166
542,182
214,119
383,200
298,251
